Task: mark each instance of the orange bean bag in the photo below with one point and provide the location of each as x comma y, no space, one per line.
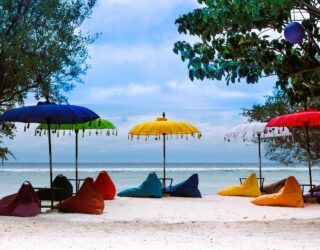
249,188
289,196
87,201
105,186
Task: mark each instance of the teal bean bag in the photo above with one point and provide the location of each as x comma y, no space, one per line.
188,188
151,188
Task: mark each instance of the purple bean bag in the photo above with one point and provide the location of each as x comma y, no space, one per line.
25,203
315,194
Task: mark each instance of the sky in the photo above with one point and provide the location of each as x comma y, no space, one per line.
134,77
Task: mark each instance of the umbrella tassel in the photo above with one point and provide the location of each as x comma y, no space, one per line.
58,134
116,132
25,128
97,133
28,126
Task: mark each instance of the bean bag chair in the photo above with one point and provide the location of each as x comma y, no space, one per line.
25,203
64,189
289,196
151,187
274,187
88,200
249,188
315,194
105,186
316,189
188,188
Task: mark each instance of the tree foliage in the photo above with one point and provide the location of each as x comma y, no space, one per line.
42,50
286,150
4,152
243,39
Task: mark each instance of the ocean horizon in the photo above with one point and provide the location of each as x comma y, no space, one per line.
212,176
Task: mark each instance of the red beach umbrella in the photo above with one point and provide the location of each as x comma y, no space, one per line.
302,119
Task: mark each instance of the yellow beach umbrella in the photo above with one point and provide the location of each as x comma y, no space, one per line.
162,128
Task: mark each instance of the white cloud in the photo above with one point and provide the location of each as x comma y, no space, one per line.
205,88
100,94
116,54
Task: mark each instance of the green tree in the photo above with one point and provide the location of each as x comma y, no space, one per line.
243,39
4,152
42,50
286,150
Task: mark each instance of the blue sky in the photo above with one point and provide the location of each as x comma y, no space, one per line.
134,77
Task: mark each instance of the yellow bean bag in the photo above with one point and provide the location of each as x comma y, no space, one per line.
249,188
289,196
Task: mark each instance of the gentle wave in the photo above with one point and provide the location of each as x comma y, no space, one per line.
196,169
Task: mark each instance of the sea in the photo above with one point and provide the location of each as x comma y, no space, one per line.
212,176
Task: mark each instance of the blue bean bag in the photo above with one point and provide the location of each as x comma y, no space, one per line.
188,188
151,187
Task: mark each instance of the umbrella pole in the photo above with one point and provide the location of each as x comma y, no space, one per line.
260,171
164,162
309,159
77,188
50,163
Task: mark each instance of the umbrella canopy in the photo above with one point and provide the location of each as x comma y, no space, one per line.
301,119
97,124
161,127
256,131
251,131
49,113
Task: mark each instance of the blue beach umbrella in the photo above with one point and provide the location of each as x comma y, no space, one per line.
49,113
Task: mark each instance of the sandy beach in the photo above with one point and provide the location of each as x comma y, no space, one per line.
213,222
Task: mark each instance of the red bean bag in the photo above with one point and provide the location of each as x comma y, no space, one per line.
88,200
25,203
105,186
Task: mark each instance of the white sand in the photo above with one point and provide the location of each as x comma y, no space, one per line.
213,222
